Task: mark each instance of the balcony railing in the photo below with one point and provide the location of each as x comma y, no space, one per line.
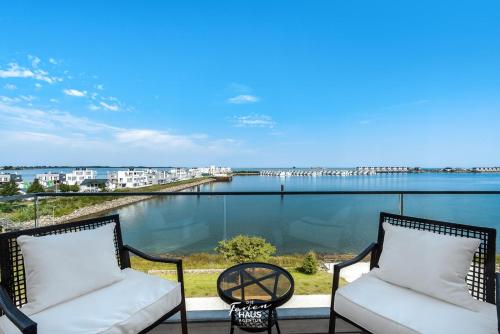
334,224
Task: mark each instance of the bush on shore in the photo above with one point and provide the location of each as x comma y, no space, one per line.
244,248
310,264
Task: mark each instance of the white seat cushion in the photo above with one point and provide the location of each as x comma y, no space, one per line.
61,267
431,263
382,307
127,306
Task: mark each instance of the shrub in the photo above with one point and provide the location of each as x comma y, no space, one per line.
35,187
310,264
243,248
64,188
9,189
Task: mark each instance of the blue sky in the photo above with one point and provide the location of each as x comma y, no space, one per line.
250,83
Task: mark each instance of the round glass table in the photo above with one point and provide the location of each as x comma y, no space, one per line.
254,291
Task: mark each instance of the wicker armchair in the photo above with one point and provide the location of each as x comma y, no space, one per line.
480,279
13,293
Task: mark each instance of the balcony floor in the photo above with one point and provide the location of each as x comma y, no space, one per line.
302,326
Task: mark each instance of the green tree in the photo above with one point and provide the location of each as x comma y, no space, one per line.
9,189
64,188
309,264
35,187
243,248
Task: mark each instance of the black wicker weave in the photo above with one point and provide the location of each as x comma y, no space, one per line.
13,279
481,277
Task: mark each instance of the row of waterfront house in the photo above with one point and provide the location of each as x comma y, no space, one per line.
87,179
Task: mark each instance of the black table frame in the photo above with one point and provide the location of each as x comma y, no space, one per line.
274,302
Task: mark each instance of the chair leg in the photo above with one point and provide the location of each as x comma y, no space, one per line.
333,318
278,327
184,318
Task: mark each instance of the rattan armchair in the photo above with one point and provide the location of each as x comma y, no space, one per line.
480,279
13,293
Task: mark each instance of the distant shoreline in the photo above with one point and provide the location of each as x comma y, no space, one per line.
256,171
100,208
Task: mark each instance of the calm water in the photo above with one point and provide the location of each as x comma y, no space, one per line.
326,223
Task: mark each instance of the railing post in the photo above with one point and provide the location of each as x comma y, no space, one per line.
401,204
36,210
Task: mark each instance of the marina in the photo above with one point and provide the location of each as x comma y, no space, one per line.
328,224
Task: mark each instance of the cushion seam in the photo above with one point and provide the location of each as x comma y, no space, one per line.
377,314
133,314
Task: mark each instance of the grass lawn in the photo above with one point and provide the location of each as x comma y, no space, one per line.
211,261
204,284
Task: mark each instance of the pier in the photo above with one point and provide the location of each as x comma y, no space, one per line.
318,172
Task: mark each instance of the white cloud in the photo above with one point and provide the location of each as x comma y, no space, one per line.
9,100
27,98
53,61
35,61
93,107
15,71
111,107
99,87
243,99
255,121
147,137
38,85
74,92
10,86
54,100
37,130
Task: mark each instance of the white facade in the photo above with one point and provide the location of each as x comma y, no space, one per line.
128,178
94,185
179,173
50,179
78,175
134,178
4,178
8,177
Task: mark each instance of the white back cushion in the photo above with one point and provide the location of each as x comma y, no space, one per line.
64,266
427,262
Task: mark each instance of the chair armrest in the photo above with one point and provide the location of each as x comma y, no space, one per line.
337,267
18,318
151,257
177,262
497,276
356,259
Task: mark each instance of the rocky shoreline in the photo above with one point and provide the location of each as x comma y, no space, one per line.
95,209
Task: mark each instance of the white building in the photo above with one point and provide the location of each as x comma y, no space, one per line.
8,177
79,175
178,173
128,178
5,178
50,179
94,185
157,176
